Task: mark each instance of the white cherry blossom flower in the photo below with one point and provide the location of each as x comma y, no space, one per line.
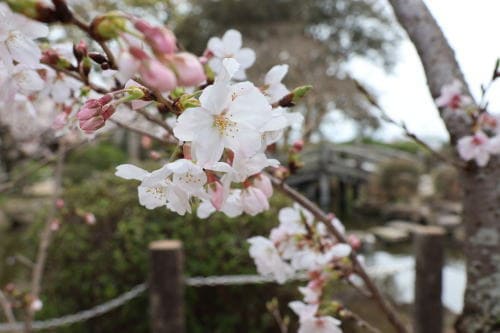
254,201
230,47
229,116
309,323
478,147
16,38
451,96
267,259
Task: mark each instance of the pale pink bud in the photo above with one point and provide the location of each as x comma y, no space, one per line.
298,146
154,155
36,305
55,224
354,241
89,218
157,76
161,39
189,69
146,142
217,195
60,203
60,121
263,183
95,112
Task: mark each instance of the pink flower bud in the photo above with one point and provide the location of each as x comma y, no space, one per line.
154,155
354,241
157,76
60,203
263,183
217,195
189,69
298,146
60,121
55,224
89,218
146,142
162,40
95,112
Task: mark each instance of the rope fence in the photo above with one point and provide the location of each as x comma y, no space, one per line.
199,281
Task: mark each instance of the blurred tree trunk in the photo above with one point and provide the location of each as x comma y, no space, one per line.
481,201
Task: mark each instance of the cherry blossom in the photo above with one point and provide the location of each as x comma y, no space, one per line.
310,323
451,96
229,47
478,147
229,116
267,259
17,34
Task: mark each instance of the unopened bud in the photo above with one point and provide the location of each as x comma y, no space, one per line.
97,57
80,50
108,26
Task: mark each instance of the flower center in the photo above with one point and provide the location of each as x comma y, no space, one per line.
225,125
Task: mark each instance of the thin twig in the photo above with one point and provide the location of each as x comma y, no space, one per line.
75,76
7,308
139,131
160,122
385,306
360,321
279,320
385,116
46,236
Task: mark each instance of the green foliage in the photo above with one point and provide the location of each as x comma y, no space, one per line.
398,180
82,162
447,183
91,264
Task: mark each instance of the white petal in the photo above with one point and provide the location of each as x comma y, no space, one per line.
245,57
276,74
129,171
232,42
23,50
152,197
207,146
215,98
215,45
190,122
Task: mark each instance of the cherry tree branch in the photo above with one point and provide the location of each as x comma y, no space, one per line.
385,116
46,236
437,56
360,321
384,304
139,131
7,308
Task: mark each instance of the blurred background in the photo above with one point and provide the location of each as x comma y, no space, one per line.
378,182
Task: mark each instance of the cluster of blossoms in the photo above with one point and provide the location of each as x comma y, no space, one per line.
300,244
222,124
224,131
485,138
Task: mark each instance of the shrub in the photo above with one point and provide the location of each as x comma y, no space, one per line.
89,264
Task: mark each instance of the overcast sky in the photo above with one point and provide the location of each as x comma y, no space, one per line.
471,27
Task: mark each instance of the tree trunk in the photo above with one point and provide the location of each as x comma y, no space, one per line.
481,185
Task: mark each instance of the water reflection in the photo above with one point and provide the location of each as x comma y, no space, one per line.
401,284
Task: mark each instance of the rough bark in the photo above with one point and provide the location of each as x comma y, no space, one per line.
481,185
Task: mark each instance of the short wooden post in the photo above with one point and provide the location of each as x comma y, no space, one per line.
166,287
429,257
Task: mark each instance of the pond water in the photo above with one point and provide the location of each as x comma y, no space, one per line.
401,283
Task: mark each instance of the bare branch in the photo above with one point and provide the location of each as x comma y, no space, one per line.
385,116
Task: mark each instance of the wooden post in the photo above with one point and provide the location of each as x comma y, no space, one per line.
429,257
166,287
